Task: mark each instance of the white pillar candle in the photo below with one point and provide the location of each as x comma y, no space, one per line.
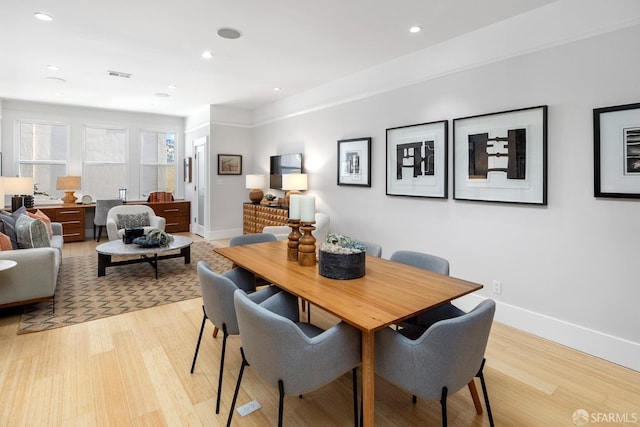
308,209
294,206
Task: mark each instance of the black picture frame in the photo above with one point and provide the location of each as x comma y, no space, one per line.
229,164
354,162
501,157
417,160
616,145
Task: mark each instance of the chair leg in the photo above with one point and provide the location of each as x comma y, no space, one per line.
225,335
474,396
195,355
99,232
414,399
280,402
355,396
215,331
484,391
235,394
443,403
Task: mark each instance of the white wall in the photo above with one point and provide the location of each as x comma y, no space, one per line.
568,269
77,117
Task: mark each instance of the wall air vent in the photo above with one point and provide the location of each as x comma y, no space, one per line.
119,74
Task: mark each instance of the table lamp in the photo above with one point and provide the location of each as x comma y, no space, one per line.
255,183
18,188
68,184
292,183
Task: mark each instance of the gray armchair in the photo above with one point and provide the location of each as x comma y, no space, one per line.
217,297
442,360
296,357
115,228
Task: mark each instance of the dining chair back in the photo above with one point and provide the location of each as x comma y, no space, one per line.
442,360
373,249
100,218
422,260
247,239
295,357
217,298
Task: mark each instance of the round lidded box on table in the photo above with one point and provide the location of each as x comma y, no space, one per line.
342,266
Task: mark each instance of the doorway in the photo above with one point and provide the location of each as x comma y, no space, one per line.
199,203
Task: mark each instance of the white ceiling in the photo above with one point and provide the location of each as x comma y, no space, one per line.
292,44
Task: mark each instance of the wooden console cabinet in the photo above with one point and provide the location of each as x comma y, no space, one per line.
71,218
177,214
256,217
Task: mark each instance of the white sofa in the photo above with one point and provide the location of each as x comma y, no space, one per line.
114,232
35,276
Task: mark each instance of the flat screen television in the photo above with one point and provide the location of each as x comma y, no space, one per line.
283,164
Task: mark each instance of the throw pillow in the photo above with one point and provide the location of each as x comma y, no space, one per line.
31,233
47,221
9,225
133,220
5,242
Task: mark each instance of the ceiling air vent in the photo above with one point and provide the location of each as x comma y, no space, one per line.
119,74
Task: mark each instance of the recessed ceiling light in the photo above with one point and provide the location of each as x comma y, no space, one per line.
55,79
43,16
207,54
229,33
172,86
276,89
415,29
52,67
161,95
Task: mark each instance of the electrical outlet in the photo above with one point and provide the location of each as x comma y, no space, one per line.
497,287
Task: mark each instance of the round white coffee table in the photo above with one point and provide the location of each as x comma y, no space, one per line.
148,255
6,264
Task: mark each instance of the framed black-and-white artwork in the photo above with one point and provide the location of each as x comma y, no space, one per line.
417,160
616,136
229,164
501,157
354,162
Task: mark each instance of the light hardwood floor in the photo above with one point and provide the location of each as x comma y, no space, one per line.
133,369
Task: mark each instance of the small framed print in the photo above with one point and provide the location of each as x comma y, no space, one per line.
229,164
616,137
354,162
501,157
417,160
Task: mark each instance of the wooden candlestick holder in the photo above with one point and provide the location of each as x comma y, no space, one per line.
307,245
294,237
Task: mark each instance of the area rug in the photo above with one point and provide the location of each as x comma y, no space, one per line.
82,296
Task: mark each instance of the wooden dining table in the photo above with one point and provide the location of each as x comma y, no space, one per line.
388,293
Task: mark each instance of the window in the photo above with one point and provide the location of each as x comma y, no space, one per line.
42,153
105,161
158,162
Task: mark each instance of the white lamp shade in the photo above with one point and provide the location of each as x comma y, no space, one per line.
18,186
68,183
294,181
255,181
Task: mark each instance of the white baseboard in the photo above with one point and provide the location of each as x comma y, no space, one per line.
222,234
613,349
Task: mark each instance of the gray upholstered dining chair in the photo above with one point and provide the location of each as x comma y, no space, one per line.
442,360
217,297
295,357
373,249
437,265
100,217
248,239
